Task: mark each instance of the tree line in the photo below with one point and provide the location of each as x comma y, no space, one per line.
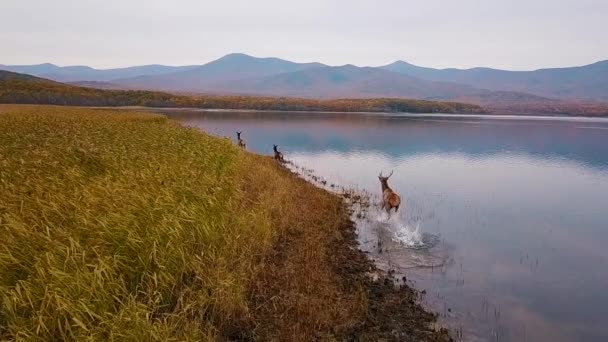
25,89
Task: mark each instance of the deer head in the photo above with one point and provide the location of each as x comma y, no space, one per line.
384,180
238,135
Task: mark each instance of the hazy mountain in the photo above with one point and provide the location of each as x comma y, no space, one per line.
85,73
231,67
347,81
588,82
242,74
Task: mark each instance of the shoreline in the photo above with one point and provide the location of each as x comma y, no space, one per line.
489,116
394,311
173,234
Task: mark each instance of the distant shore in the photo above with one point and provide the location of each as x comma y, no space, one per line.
501,116
16,88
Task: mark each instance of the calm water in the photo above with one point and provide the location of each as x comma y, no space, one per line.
513,212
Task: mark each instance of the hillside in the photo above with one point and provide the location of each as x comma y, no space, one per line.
119,225
25,89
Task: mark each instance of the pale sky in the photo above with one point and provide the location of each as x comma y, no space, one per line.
508,34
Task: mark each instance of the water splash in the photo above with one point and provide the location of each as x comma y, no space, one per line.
408,237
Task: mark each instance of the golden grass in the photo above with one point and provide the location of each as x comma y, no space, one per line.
119,225
126,226
298,294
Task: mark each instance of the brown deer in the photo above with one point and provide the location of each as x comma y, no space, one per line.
277,155
390,198
242,143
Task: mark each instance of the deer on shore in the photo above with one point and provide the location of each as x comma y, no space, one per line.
242,143
390,198
278,155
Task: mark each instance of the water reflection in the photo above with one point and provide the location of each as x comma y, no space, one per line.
526,234
397,136
516,208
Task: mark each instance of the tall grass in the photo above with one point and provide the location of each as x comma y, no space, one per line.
126,226
119,225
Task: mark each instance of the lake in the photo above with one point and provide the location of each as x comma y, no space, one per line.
504,221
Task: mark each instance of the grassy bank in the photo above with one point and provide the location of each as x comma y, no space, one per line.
121,225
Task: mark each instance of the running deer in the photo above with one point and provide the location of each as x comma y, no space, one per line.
242,143
390,198
278,155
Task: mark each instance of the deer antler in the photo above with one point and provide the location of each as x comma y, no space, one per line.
380,175
389,176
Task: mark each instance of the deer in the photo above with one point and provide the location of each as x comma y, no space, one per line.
390,198
242,143
277,155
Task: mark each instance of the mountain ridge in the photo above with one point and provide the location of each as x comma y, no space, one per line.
79,73
239,73
253,76
587,82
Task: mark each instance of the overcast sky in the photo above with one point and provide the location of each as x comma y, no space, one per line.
509,34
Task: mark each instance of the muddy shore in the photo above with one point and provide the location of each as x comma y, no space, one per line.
385,308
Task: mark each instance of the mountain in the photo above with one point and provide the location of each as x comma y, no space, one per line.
588,82
232,67
243,74
85,73
350,81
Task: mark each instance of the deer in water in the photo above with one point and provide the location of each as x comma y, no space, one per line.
242,143
277,155
390,198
